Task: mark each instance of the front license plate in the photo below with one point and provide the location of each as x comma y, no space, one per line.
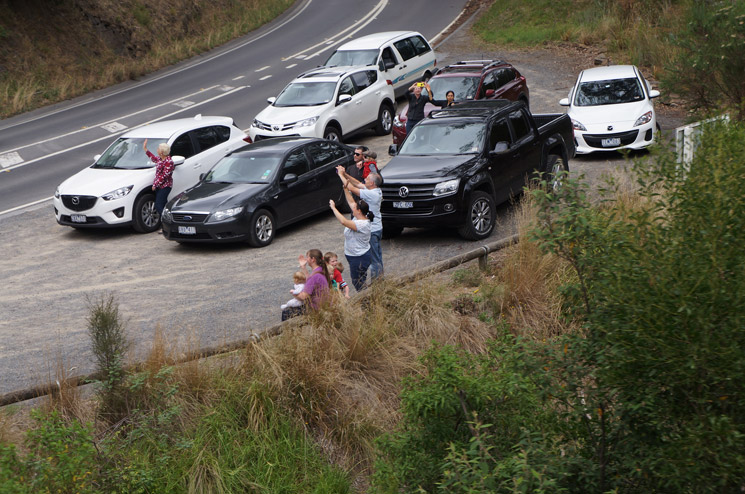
78,218
611,142
187,230
407,204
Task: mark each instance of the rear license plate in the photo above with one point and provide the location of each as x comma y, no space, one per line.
611,142
407,204
78,218
187,230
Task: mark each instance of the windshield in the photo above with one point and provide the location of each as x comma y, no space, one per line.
127,154
463,87
609,92
444,138
306,94
253,168
352,57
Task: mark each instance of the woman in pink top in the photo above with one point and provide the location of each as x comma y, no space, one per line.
316,291
163,174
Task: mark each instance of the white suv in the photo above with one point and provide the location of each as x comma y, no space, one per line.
328,102
116,189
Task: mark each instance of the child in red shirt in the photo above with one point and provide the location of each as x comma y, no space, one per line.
370,165
336,279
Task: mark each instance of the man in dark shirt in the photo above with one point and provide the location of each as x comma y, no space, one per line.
356,170
416,104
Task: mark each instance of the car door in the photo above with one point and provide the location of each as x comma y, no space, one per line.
183,174
295,200
527,148
325,157
366,97
346,113
405,74
507,83
502,159
489,82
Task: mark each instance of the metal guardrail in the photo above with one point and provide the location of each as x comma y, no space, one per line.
480,253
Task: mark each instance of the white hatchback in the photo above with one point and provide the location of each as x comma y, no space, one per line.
116,189
611,108
328,102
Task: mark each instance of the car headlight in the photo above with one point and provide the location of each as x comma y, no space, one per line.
578,125
255,123
166,215
118,193
224,214
646,118
307,122
56,193
397,122
446,188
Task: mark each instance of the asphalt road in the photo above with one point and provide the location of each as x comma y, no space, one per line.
206,295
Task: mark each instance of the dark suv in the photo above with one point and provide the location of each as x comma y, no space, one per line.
470,80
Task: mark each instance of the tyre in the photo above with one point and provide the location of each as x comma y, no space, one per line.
480,217
332,133
392,231
145,219
384,125
555,164
262,229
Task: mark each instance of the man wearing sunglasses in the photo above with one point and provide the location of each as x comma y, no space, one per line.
355,171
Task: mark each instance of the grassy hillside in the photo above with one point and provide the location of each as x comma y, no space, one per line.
52,51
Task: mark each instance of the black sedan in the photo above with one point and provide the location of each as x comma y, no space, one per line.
257,189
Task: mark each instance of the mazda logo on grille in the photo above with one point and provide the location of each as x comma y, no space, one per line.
276,128
187,218
403,191
75,200
610,127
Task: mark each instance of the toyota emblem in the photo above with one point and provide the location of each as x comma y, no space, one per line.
403,191
610,127
276,128
75,200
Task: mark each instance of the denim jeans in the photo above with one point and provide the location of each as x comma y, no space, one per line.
161,198
358,269
376,255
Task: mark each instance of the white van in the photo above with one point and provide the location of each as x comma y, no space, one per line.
404,57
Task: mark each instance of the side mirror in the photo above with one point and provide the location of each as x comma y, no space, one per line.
489,93
96,157
343,98
271,100
393,150
654,93
288,179
564,101
389,65
201,176
500,148
178,160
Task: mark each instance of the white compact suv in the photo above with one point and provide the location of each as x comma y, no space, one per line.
404,57
328,102
116,189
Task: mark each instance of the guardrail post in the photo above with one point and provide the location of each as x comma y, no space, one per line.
483,260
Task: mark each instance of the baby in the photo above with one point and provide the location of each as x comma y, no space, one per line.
299,279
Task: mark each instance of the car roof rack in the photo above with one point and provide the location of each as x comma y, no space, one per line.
471,108
470,66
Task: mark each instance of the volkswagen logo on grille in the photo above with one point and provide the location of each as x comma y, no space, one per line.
187,218
275,128
403,191
75,200
610,127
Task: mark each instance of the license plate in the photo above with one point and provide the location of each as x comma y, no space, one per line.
407,204
78,218
187,230
611,142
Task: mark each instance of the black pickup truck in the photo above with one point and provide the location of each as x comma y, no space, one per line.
457,164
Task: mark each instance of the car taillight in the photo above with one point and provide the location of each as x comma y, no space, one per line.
248,139
389,82
435,65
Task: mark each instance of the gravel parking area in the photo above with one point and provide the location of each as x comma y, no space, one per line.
206,295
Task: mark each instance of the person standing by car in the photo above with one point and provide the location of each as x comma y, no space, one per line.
355,170
415,114
356,238
448,101
372,194
316,290
163,174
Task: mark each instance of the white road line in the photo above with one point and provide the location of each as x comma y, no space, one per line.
291,66
239,77
262,68
177,71
368,18
24,206
9,159
62,151
265,77
121,117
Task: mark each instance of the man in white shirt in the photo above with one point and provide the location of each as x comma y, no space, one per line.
371,193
